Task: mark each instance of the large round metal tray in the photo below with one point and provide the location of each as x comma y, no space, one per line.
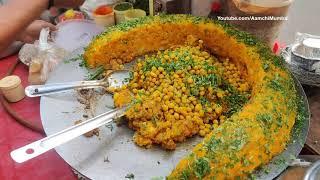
113,155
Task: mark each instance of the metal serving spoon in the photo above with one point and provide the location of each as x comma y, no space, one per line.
43,145
114,79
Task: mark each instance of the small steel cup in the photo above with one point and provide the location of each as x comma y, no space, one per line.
306,51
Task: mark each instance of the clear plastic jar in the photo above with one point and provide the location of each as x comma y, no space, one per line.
262,18
12,88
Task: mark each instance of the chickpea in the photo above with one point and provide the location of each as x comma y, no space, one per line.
165,108
198,107
202,133
201,113
190,80
220,94
176,115
171,89
218,109
171,105
202,93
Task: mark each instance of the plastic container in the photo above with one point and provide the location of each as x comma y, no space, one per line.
104,16
263,18
12,89
120,9
134,13
70,15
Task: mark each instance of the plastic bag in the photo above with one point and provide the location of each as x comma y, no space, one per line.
47,57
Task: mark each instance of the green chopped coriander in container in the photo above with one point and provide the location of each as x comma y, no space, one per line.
119,10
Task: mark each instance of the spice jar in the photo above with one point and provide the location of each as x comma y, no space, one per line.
12,89
104,16
134,13
119,10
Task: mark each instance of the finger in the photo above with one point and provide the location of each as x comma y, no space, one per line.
52,27
28,39
49,25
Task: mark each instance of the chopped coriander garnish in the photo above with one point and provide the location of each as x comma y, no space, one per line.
96,74
265,118
74,59
185,175
130,176
210,80
201,167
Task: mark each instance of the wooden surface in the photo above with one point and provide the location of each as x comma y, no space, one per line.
313,139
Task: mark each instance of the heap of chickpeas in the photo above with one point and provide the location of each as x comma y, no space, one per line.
178,93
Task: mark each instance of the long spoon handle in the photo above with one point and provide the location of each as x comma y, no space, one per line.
40,90
43,145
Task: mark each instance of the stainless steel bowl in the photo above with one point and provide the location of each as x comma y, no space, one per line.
304,56
305,51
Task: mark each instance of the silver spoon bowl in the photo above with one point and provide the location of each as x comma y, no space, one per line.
115,79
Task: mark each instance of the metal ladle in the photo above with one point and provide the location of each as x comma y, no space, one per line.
41,146
114,79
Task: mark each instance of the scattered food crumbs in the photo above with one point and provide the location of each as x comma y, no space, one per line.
129,176
120,121
106,159
158,162
90,133
157,178
110,126
85,116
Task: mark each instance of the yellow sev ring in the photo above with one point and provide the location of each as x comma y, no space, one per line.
251,137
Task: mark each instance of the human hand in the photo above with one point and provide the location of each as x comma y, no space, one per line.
69,3
32,32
